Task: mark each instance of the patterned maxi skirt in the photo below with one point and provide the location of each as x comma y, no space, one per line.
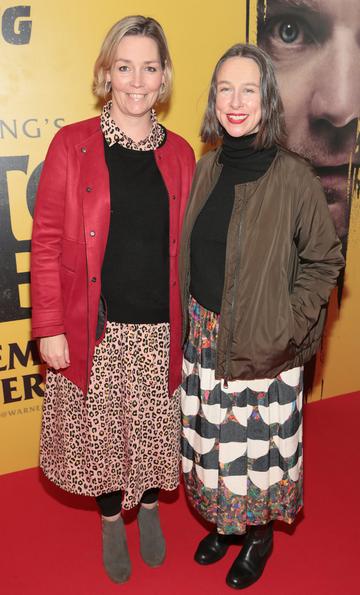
241,445
126,434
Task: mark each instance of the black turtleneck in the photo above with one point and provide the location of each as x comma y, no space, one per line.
241,163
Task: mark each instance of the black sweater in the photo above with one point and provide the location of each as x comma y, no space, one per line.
135,273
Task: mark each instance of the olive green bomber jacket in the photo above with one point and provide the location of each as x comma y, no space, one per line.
282,261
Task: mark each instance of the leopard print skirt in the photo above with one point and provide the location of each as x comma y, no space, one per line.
126,434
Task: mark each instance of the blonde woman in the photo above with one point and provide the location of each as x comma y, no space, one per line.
105,295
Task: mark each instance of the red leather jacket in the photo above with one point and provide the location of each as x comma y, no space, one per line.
71,225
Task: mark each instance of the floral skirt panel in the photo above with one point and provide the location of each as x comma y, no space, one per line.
241,445
126,434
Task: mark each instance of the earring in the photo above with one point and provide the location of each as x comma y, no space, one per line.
107,87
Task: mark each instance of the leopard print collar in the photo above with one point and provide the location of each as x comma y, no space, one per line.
114,135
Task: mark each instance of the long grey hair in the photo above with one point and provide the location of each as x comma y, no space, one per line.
272,125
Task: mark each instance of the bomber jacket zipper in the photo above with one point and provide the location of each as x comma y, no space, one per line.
242,206
232,312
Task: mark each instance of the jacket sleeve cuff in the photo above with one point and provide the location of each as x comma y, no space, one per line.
47,331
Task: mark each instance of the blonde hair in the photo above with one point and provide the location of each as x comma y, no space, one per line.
132,25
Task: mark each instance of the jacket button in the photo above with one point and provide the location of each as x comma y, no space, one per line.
173,283
83,149
88,189
173,197
174,241
92,233
93,279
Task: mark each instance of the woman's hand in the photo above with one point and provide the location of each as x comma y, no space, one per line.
55,351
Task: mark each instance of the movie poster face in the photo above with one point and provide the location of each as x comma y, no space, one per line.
315,47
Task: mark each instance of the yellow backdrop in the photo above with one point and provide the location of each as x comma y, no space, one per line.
47,52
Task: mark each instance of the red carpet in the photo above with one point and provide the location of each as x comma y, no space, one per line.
50,541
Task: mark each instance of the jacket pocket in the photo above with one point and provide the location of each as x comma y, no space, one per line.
69,254
279,322
291,322
305,336
299,334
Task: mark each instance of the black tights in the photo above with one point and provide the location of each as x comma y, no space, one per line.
110,504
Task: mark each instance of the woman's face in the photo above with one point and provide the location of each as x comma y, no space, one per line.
238,101
136,77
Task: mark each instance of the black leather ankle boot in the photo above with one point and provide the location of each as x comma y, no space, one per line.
250,563
212,548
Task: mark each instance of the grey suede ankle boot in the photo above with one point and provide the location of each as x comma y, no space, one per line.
152,542
115,551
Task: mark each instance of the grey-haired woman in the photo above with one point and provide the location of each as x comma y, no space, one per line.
259,259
